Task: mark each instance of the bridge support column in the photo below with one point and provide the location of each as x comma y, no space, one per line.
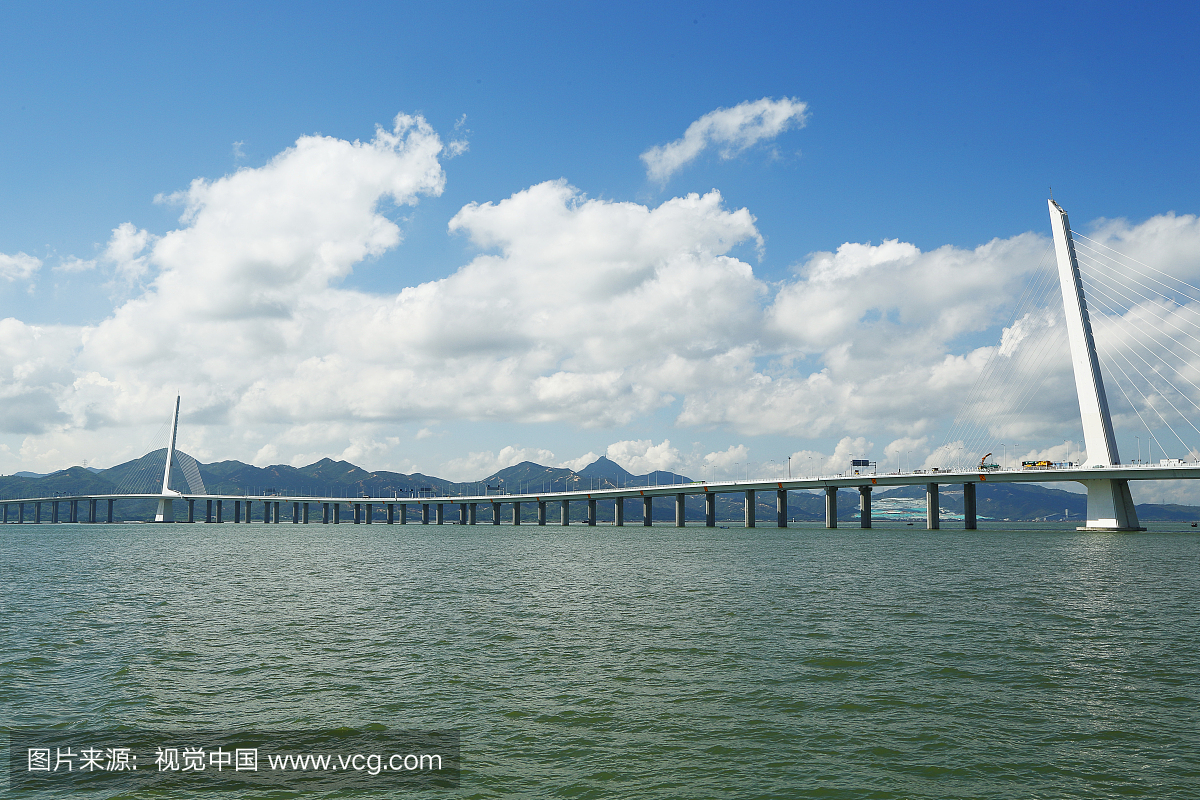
462,513
864,506
516,518
6,513
275,519
91,511
391,513
619,512
495,513
306,513
337,513
324,513
933,514
296,513
21,513
219,514
648,510
424,513
471,513
191,511
591,517
54,512
404,513
358,513
266,512
1110,507
781,508
831,506
74,511
37,512
710,510
208,511
370,512
749,508
680,510
439,514
969,514
237,511
541,512
565,513
111,504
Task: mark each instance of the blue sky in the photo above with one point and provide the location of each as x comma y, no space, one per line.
932,124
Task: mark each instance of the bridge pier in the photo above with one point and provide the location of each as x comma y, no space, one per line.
296,512
404,513
541,512
6,513
74,511
749,508
266,512
337,513
208,511
306,513
324,513
37,513
516,511
21,514
471,513
933,520
619,512
781,508
710,510
969,515
462,513
495,513
219,509
54,512
91,511
424,513
566,512
864,506
191,511
680,510
831,506
439,515
1110,507
591,514
648,510
370,512
237,511
111,503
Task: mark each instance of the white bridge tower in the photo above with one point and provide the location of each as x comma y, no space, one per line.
165,511
1109,504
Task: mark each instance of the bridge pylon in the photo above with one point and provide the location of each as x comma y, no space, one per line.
1109,504
165,511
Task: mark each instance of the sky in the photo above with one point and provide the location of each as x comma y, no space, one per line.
450,237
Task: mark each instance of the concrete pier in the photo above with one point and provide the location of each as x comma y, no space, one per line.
424,513
864,506
619,511
191,510
324,513
749,508
566,512
710,510
370,513
516,518
54,512
404,513
337,513
75,510
37,513
92,510
276,518
591,515
495,513
111,503
647,510
219,510
680,510
440,514
471,513
933,511
306,513
462,513
781,508
831,506
969,514
541,512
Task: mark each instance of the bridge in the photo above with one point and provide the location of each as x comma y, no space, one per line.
1110,506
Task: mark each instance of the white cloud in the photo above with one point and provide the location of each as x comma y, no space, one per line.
19,267
642,456
732,130
127,251
479,465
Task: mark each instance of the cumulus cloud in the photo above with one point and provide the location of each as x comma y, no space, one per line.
19,267
731,130
483,463
642,456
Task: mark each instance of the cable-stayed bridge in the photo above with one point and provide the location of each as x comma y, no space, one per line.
1148,320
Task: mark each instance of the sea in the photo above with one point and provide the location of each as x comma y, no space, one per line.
1015,661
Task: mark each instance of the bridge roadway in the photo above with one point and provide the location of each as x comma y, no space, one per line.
363,507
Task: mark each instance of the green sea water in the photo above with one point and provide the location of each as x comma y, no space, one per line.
631,662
